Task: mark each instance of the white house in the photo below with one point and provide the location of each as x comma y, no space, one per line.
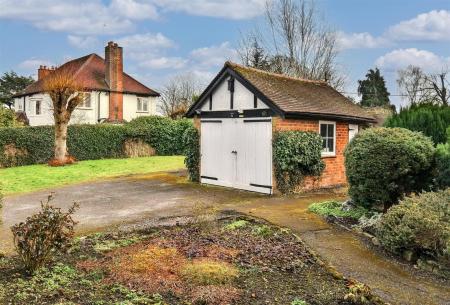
109,93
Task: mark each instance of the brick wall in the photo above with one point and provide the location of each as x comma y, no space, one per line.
334,173
114,79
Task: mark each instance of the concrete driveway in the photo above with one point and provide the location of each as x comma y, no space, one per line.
107,204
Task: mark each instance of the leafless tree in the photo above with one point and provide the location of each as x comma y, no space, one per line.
179,94
439,84
418,86
412,84
66,94
298,41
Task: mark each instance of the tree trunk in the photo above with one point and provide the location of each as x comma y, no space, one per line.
61,141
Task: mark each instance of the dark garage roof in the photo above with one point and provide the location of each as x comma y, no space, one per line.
289,96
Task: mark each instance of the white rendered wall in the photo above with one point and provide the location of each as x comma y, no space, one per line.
243,98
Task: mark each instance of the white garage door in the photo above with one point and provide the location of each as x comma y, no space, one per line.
237,153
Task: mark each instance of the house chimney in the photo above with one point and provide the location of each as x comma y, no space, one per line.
114,79
43,71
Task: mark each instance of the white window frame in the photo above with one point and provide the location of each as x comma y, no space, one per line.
82,105
141,101
329,153
35,101
20,105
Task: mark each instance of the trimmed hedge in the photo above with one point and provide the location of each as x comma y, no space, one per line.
191,142
34,145
384,164
420,224
443,163
163,134
296,154
431,120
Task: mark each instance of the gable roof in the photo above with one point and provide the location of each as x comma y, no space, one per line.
90,71
288,96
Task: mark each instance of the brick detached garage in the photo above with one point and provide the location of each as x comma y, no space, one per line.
240,110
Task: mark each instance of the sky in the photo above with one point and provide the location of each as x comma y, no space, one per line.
164,38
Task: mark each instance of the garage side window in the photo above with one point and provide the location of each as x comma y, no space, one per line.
328,133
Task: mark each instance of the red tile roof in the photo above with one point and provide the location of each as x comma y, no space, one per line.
90,71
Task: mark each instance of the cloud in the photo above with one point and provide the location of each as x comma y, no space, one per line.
80,17
82,42
213,56
230,9
401,58
359,41
134,10
164,63
431,26
34,63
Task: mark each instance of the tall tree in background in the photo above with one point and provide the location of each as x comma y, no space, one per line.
10,84
179,94
373,90
66,94
297,42
420,87
253,54
412,84
440,86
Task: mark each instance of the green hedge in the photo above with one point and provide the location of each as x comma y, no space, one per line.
191,143
420,224
163,134
296,154
384,164
443,163
34,145
431,120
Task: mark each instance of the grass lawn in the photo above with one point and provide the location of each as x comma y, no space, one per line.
36,177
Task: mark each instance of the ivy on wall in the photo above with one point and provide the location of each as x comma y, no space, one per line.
191,143
296,154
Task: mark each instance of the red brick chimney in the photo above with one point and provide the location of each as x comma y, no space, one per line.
43,71
114,79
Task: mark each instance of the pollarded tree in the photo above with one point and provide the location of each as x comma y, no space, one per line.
66,94
373,90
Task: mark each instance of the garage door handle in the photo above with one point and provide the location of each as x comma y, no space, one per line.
234,152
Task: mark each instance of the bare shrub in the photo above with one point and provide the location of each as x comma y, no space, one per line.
134,148
204,215
43,235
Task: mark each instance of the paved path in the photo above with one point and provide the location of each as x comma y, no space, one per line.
348,254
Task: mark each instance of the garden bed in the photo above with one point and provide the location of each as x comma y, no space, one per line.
234,261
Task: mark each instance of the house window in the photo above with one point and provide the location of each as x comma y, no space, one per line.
20,105
86,100
328,133
142,104
38,107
